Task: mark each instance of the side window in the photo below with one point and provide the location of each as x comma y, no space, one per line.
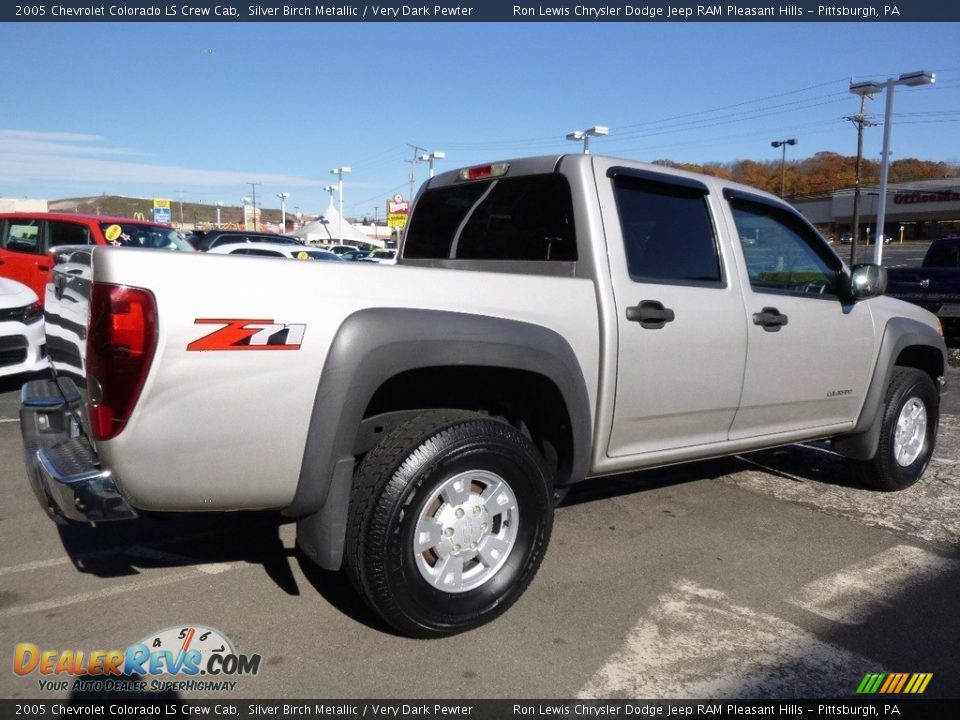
21,236
667,233
524,218
66,233
782,254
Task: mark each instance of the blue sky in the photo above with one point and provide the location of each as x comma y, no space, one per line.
150,109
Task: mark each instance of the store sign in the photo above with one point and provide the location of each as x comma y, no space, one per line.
161,211
916,197
398,210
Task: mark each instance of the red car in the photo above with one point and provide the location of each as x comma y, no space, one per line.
26,239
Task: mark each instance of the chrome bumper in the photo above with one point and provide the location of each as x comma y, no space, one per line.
64,471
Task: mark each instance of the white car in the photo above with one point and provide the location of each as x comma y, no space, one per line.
259,249
22,345
381,257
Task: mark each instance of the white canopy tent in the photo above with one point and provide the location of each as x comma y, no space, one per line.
324,230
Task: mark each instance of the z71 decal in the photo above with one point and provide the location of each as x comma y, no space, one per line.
246,334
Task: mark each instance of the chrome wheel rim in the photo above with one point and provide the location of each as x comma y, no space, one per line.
911,434
465,531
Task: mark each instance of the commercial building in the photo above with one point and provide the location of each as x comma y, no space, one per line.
920,210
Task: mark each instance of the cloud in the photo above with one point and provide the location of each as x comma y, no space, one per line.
68,157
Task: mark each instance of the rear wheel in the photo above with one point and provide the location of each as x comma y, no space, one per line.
908,433
449,519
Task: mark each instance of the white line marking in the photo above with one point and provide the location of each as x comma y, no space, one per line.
696,643
138,586
852,595
118,551
6,420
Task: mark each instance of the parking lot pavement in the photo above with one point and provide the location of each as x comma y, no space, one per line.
768,575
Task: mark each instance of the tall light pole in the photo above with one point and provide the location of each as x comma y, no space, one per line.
912,79
783,160
219,205
430,157
246,202
339,173
585,135
283,211
861,121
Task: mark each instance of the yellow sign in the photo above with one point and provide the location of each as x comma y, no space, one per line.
112,233
161,204
397,220
303,255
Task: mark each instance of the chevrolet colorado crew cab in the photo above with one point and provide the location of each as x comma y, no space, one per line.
550,320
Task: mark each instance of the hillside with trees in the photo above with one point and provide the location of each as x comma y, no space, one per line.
821,174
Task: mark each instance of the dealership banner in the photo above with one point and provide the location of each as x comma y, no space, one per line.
636,11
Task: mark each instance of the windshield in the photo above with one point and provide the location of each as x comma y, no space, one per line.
154,237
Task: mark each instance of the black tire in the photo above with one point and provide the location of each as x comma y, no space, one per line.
397,486
884,471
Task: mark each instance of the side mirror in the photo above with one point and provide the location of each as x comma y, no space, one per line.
866,281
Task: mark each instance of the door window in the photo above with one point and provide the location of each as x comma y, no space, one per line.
782,254
66,233
21,236
667,233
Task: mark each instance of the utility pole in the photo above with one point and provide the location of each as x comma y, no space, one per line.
180,200
861,121
413,166
253,188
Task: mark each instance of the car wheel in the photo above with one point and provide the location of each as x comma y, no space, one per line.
908,433
449,520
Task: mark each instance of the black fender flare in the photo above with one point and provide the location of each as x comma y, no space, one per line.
373,345
899,334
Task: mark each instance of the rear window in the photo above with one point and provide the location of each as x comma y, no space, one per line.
943,254
525,218
152,237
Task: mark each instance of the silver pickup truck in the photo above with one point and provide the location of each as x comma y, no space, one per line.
550,320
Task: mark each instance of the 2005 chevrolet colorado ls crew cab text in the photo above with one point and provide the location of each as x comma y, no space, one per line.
550,320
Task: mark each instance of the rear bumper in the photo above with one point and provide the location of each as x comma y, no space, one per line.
64,471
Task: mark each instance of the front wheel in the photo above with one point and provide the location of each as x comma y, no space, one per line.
449,519
908,433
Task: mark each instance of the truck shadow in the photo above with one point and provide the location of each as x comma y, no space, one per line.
812,462
118,550
115,550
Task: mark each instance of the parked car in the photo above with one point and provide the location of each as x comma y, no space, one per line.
381,257
22,345
265,249
846,239
935,285
205,240
26,239
355,254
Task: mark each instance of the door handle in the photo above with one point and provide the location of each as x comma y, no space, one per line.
770,319
651,314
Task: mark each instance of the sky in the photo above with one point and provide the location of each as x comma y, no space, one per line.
198,111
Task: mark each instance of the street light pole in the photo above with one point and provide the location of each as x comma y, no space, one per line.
783,161
585,135
283,211
339,173
913,79
219,205
429,158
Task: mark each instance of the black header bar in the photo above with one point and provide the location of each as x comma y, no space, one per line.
640,11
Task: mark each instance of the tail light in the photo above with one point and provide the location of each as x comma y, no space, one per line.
121,341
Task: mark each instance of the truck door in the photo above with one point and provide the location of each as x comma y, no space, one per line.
681,322
809,355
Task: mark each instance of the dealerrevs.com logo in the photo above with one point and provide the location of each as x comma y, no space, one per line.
202,658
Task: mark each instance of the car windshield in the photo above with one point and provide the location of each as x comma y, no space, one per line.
155,237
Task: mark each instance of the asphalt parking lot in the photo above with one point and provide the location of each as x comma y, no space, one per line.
767,575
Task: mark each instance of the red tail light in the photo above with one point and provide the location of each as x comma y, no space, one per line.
121,341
